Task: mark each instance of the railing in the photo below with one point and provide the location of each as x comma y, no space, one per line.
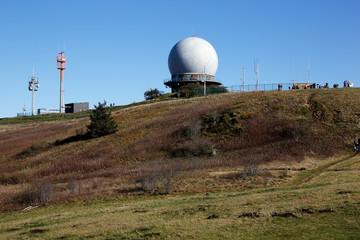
264,87
270,87
189,79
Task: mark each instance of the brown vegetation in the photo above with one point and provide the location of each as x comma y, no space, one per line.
167,147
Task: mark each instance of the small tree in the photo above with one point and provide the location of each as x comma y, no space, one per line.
151,94
101,122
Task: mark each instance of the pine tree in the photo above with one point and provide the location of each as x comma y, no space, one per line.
101,122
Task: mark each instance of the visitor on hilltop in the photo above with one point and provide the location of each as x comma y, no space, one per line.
357,145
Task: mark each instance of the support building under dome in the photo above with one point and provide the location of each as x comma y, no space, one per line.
192,60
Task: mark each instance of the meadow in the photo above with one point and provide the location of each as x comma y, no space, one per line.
235,166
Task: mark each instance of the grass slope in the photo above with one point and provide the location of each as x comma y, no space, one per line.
238,165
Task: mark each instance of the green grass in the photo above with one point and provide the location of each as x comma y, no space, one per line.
186,217
44,118
317,211
84,114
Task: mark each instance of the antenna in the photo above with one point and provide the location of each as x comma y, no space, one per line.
33,86
256,70
293,71
61,65
193,33
243,78
308,69
24,109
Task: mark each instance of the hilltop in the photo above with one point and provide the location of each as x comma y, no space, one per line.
240,159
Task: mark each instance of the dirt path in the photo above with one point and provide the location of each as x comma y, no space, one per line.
306,176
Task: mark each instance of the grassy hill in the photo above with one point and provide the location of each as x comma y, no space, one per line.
237,165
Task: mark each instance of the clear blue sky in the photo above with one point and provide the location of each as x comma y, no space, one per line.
116,50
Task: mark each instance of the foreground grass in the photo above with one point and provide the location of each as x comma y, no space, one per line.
327,207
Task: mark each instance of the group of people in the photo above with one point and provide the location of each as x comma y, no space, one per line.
311,86
346,83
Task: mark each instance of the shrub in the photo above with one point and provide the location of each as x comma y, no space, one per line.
33,150
74,186
197,147
156,181
196,89
224,122
37,193
148,183
191,131
251,168
101,122
189,90
216,89
161,180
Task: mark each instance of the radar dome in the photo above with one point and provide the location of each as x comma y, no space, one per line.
193,55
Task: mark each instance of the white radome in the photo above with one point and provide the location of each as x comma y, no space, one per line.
193,55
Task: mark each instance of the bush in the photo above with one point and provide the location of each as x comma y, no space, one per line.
160,180
216,89
152,94
74,186
33,150
196,89
197,147
189,90
224,123
101,122
36,194
250,169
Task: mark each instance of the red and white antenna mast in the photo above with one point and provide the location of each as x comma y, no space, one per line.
61,64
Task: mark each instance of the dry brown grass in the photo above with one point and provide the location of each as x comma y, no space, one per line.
172,141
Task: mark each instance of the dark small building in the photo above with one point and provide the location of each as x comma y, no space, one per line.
76,107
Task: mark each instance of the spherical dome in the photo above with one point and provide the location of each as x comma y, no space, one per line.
193,55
